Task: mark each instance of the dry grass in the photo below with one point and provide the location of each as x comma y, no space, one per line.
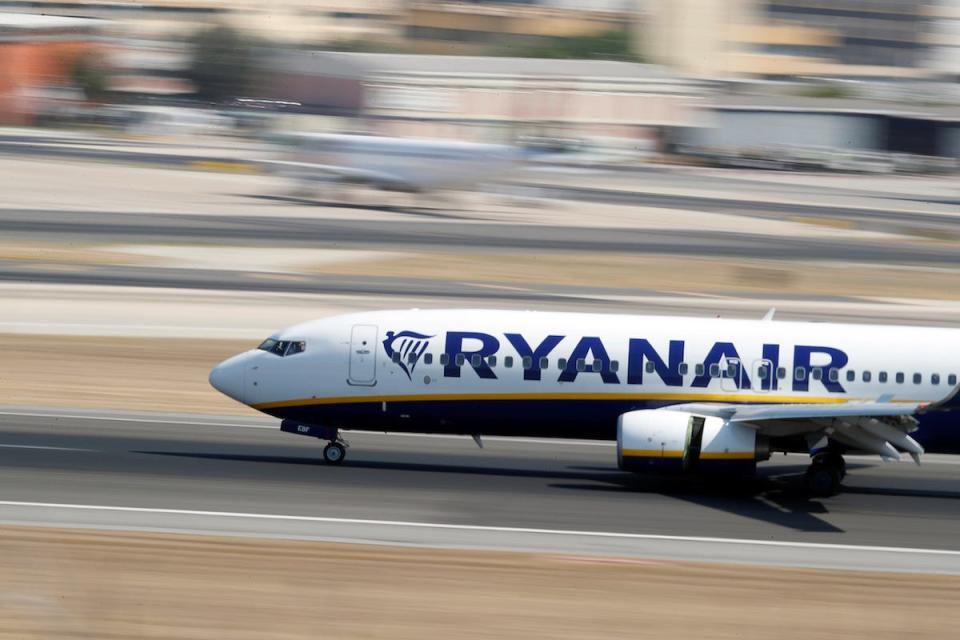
86,584
671,273
149,374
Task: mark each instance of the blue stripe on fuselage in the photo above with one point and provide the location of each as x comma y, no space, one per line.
589,419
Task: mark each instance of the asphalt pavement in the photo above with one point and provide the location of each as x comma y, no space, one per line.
245,477
420,231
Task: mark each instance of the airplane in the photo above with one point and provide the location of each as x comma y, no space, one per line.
410,165
677,394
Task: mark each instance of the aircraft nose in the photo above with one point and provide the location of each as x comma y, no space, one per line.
228,378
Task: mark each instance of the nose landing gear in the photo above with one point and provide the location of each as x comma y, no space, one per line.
336,449
335,452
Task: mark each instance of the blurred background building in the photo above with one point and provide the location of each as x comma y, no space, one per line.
722,77
784,38
477,97
40,57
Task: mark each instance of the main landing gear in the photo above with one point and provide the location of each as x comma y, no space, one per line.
825,473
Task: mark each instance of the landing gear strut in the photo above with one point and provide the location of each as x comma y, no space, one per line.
825,473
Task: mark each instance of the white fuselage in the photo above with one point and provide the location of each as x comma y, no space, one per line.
401,163
483,371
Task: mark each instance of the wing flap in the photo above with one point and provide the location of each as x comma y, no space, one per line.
877,427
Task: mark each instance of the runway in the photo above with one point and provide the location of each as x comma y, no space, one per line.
243,477
233,230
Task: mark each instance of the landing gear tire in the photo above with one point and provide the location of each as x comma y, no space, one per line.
334,453
824,475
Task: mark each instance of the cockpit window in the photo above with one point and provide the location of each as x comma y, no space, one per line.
282,347
296,346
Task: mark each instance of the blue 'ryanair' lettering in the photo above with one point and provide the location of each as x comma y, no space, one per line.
669,372
477,358
771,356
525,351
590,349
802,355
590,355
718,352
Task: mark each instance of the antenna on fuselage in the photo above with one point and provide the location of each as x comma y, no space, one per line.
770,314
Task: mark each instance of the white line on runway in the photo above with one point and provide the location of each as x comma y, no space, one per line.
32,446
158,420
483,528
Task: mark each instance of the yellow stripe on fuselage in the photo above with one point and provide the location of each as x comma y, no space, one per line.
651,453
755,398
727,455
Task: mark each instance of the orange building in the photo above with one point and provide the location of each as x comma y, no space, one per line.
38,52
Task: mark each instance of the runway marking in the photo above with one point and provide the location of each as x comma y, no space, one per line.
489,529
31,446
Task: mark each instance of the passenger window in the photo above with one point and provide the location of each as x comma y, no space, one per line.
935,378
763,371
460,359
444,359
561,363
900,377
492,361
715,370
882,376
782,373
731,371
411,358
650,367
800,374
851,375
698,369
428,358
816,373
527,363
395,356
917,378
834,375
544,363
952,380
508,362
683,368
475,360
866,376
614,365
597,366
581,364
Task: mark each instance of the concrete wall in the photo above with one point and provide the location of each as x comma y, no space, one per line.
735,128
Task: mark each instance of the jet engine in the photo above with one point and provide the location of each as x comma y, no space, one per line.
674,441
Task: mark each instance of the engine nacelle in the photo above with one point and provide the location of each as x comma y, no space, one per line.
674,441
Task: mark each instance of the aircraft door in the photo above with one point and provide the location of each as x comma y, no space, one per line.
363,355
762,374
731,374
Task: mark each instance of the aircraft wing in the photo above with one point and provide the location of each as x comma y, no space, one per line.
879,427
335,172
762,412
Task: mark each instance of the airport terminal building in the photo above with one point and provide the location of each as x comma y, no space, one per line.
473,97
